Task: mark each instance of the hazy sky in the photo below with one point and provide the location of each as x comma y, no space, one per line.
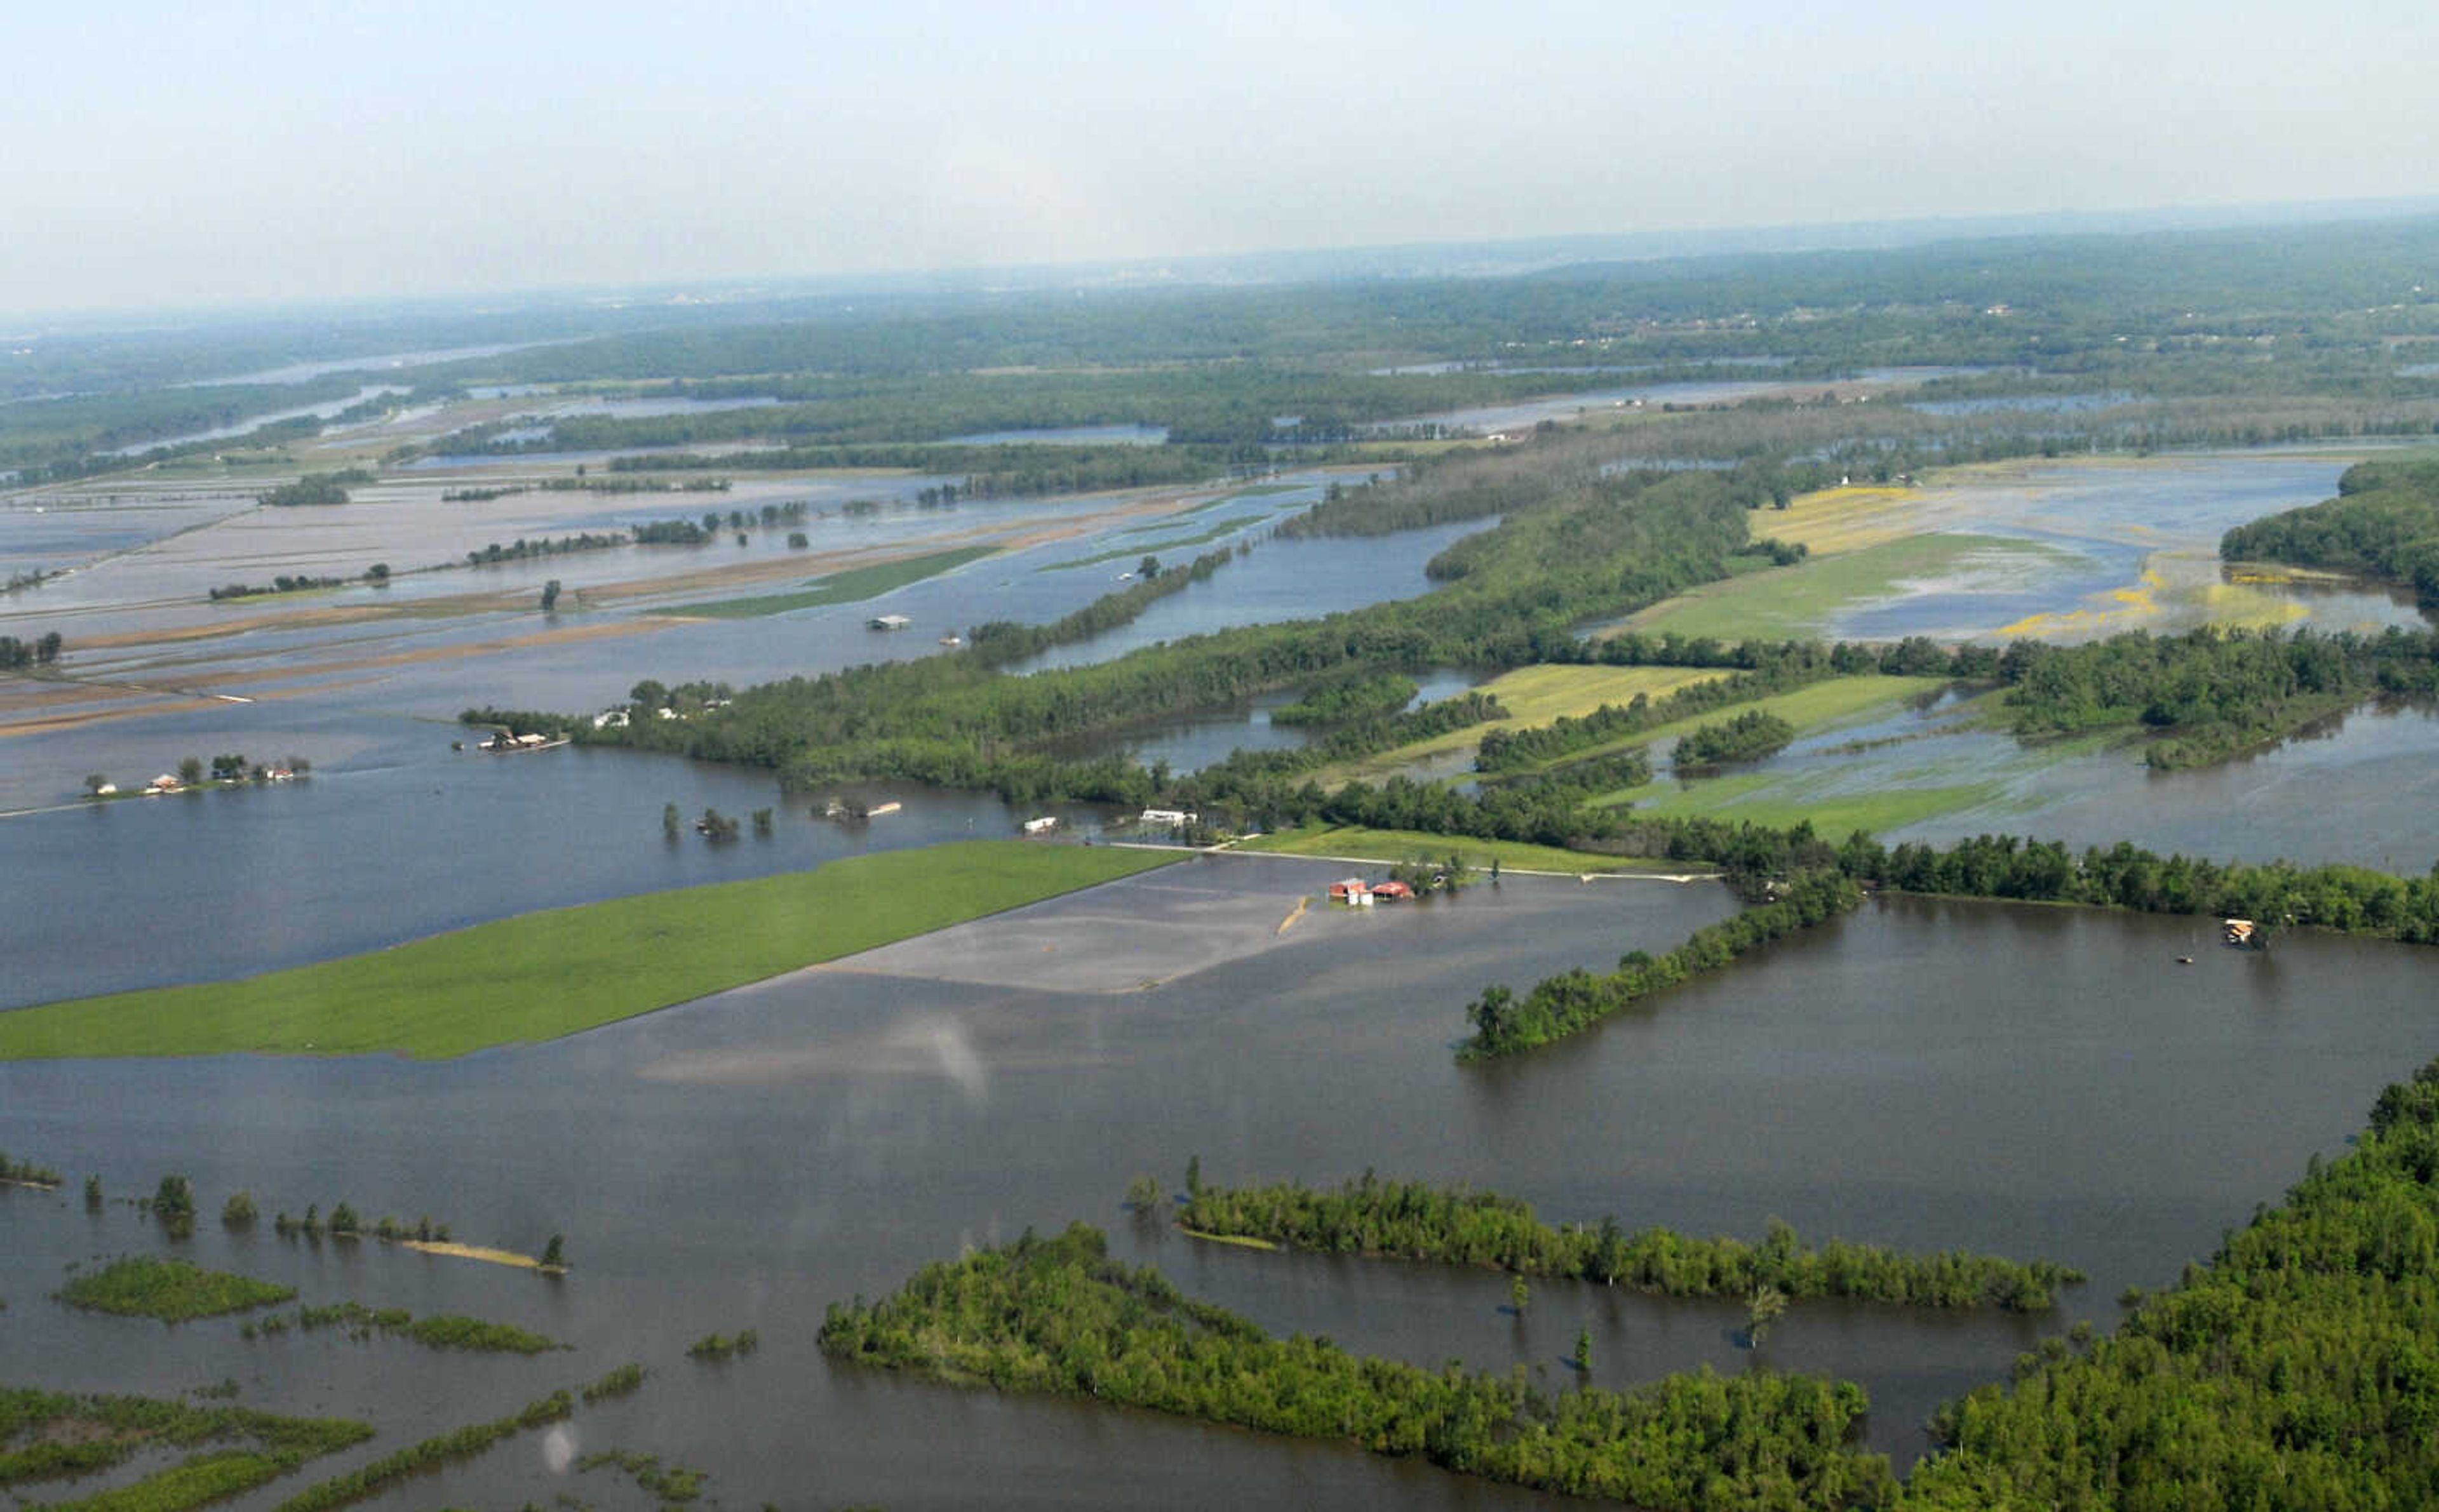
209,152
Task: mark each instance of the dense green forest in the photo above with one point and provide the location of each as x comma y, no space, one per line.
1409,1220
1059,1316
2292,1372
2209,693
2384,523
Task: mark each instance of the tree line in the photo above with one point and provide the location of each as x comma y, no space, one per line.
16,655
1057,1316
1455,1225
2383,525
1574,1000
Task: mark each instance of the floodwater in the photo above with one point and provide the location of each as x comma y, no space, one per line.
299,372
323,411
394,837
2129,545
1921,1074
2361,790
326,690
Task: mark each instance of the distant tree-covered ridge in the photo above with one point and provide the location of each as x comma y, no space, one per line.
2384,523
1459,1226
1059,1316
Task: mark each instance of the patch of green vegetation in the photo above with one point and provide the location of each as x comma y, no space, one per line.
439,1331
624,1381
1815,706
1410,1220
140,1286
1748,736
370,1480
851,586
671,1484
1782,802
53,1436
1384,847
542,975
721,1345
1057,1316
1792,602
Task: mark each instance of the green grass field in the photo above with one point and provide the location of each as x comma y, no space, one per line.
1799,602
1813,707
542,975
1779,803
851,586
1533,696
1389,846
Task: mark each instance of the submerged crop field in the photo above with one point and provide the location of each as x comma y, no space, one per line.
541,976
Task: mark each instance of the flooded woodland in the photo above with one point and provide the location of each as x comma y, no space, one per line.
2112,1091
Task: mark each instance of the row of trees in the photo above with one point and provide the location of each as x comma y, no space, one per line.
1059,1316
1504,1024
1411,1221
16,655
315,488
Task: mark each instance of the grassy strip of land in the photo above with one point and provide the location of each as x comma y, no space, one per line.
139,1286
1059,1316
1575,999
542,975
1780,800
853,585
54,1435
1387,847
1409,1220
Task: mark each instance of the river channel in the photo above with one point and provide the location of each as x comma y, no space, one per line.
2024,1081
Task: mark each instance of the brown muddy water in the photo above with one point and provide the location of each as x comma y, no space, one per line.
2025,1080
